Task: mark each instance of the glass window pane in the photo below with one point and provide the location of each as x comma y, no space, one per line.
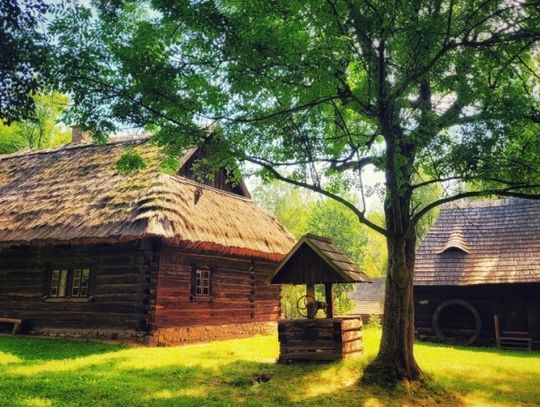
85,278
75,286
55,279
63,283
202,282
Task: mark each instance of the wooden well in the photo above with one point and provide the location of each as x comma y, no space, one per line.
315,260
323,339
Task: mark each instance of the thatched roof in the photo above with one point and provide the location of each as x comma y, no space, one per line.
369,298
316,260
76,195
487,242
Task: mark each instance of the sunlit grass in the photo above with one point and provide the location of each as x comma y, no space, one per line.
39,372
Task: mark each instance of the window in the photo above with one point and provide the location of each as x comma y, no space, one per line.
58,283
79,287
202,285
201,289
69,283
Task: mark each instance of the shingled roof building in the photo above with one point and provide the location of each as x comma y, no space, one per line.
477,275
86,250
368,299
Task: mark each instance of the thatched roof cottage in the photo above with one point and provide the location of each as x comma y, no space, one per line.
88,251
477,275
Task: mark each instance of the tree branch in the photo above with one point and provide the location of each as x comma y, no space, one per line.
361,216
352,165
283,112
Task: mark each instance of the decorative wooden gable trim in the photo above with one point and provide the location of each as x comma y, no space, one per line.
220,178
456,242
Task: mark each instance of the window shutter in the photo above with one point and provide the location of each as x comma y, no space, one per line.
211,280
47,281
193,280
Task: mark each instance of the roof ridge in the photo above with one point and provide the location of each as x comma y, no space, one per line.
485,203
110,143
317,237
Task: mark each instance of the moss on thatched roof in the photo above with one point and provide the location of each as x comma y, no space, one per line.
482,242
77,195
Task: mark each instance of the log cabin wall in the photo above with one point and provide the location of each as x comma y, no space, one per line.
240,302
521,303
119,303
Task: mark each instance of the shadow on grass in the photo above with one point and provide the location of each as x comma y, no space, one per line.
38,372
28,348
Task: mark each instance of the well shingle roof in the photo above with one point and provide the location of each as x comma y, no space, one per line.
337,267
487,242
76,195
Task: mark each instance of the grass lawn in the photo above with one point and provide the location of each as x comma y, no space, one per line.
42,372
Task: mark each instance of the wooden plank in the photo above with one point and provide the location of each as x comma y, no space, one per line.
351,335
350,324
352,346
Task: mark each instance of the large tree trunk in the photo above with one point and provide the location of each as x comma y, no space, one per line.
395,360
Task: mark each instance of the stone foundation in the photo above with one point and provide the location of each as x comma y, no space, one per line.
92,334
179,335
164,336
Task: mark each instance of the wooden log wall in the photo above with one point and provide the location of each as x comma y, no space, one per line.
321,339
120,289
239,292
487,299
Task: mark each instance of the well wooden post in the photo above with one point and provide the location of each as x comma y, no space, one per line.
311,302
329,300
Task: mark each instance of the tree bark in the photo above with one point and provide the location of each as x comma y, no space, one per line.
395,361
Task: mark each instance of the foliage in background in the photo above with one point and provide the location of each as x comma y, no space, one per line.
302,212
375,260
429,193
23,56
42,130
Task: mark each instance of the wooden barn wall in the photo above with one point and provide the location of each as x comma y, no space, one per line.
487,299
121,289
238,289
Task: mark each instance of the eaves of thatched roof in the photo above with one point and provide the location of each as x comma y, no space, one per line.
482,242
75,195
